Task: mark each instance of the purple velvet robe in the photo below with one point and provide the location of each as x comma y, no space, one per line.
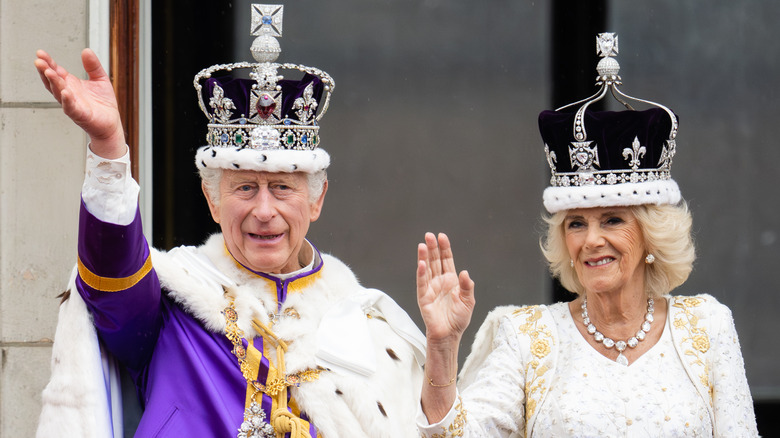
187,377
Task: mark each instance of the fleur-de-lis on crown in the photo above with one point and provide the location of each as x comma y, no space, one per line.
636,153
551,158
667,153
304,106
221,104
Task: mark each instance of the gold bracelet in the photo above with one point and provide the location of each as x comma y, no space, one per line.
430,382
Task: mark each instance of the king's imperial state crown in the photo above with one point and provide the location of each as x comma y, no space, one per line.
265,112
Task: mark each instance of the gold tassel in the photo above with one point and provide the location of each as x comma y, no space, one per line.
282,420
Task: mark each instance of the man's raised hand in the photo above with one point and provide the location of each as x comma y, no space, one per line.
90,103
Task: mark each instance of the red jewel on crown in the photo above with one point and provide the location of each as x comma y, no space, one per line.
265,106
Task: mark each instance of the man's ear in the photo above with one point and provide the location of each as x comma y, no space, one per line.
316,206
212,206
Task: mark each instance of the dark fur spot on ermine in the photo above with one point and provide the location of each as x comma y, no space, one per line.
392,354
338,391
381,408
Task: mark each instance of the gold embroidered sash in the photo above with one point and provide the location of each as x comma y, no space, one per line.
285,416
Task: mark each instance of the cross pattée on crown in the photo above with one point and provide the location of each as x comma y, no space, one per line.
607,44
267,20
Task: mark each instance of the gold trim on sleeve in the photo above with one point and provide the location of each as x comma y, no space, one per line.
455,428
105,284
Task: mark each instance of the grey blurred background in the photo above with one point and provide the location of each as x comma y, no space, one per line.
433,127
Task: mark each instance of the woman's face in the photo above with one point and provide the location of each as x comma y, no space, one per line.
607,248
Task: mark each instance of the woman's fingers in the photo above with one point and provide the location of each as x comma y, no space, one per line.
466,286
439,257
447,259
445,297
466,283
422,270
434,255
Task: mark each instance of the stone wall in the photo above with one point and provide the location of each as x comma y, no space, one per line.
41,170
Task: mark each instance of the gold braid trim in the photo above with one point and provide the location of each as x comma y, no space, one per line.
105,284
697,343
276,385
282,420
456,427
541,345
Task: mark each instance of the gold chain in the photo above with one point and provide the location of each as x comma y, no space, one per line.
235,335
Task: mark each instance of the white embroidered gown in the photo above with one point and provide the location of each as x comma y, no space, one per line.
593,396
589,395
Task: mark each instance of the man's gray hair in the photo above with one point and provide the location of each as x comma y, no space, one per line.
211,178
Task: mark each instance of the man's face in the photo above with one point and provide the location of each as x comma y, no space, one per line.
264,217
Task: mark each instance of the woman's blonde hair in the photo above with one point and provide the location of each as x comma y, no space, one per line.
667,233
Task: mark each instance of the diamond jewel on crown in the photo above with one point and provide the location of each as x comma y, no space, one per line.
583,156
265,137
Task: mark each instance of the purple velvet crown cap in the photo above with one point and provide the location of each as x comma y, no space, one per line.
611,132
238,90
625,159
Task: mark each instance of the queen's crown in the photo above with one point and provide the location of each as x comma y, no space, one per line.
608,158
266,112
583,166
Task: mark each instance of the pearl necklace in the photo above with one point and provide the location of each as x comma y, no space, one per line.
620,346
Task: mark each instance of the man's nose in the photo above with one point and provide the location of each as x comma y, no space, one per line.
264,208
